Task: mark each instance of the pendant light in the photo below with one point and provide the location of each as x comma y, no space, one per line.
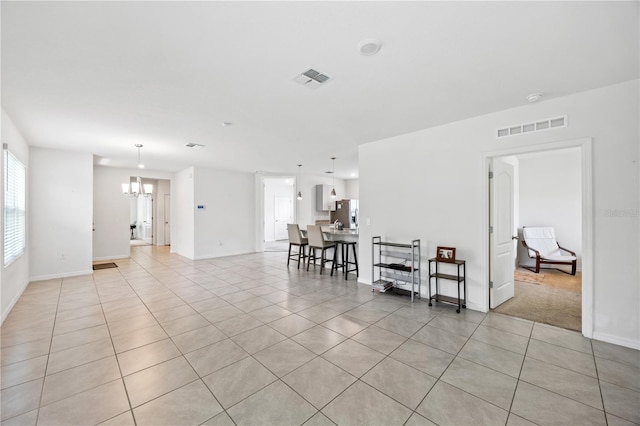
137,188
298,183
140,165
333,173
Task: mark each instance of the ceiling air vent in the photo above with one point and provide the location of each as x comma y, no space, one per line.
311,78
546,124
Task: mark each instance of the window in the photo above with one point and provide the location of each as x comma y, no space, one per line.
14,208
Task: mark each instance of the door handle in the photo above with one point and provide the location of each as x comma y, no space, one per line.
515,238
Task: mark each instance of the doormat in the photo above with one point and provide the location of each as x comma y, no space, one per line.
529,277
104,266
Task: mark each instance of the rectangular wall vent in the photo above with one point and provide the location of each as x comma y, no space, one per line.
546,124
311,78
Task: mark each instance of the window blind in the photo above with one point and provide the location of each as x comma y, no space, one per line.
14,208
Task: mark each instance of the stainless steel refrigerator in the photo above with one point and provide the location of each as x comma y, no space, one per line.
347,213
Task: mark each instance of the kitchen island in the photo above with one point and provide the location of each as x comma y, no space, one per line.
332,234
347,236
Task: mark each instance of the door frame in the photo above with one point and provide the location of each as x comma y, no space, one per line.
259,203
167,223
492,223
586,150
276,206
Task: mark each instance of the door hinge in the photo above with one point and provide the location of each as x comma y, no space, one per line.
490,284
491,229
490,175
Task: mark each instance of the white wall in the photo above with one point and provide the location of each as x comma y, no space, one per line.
182,213
551,195
14,278
111,214
61,213
439,197
352,189
112,210
225,226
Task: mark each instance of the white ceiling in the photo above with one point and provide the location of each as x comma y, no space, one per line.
99,77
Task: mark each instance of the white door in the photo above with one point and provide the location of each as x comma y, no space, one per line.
148,219
167,221
502,242
283,215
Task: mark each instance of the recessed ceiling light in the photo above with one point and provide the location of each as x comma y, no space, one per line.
534,97
370,46
194,145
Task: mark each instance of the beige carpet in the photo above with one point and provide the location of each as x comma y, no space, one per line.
555,300
529,277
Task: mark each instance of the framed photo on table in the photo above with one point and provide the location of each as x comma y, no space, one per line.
446,254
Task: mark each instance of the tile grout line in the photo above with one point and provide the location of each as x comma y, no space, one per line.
604,407
115,354
44,378
439,378
524,358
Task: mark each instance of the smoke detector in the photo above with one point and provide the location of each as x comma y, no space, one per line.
534,97
369,47
194,145
311,78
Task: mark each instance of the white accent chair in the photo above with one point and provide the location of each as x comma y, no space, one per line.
541,245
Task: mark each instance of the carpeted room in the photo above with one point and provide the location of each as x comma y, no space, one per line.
550,297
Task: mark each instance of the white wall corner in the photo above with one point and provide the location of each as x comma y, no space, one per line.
9,307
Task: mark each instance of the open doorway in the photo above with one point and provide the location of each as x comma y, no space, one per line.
141,211
542,187
141,219
149,211
279,207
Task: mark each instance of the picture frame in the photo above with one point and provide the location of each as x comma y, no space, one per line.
446,254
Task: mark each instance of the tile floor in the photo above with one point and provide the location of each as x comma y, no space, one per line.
244,340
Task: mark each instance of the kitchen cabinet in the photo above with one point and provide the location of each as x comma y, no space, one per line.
324,202
396,266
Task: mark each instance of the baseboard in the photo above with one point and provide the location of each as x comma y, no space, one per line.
6,313
217,255
124,256
62,275
616,340
423,295
475,307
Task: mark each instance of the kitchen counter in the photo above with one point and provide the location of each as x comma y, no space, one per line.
332,234
346,231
